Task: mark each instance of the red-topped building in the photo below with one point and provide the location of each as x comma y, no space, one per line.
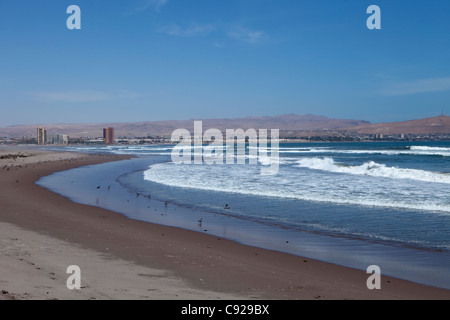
108,135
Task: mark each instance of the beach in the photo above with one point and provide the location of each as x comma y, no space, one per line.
43,233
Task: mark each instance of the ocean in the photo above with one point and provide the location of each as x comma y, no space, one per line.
353,204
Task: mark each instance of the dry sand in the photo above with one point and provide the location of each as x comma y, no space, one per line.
43,233
34,266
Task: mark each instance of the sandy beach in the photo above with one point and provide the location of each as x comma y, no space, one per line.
43,233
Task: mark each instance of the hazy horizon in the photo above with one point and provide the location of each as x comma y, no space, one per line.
168,60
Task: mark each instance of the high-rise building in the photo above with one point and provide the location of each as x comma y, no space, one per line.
108,135
41,135
56,138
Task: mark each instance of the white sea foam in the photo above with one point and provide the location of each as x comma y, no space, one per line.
302,185
153,149
413,150
393,152
374,169
425,148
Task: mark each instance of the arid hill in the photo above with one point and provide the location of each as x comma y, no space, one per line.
289,125
289,122
435,125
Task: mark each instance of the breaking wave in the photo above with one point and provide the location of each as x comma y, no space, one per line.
413,150
302,185
374,169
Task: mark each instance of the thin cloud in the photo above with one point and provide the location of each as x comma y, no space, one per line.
237,34
81,96
189,31
246,35
418,86
144,5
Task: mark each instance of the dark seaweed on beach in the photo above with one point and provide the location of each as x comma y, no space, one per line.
13,156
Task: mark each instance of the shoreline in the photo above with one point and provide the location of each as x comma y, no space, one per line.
204,263
119,192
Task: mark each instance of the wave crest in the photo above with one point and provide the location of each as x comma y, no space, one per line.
374,169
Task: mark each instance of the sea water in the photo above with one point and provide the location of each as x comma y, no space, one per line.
354,204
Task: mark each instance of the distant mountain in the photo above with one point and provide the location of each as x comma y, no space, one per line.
288,122
435,125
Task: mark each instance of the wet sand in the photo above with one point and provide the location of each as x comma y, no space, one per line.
43,233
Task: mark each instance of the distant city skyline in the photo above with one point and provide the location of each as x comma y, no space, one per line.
153,60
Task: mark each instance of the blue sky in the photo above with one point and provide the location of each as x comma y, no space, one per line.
146,60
